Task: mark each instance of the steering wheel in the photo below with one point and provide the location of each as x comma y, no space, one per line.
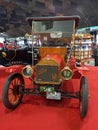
61,42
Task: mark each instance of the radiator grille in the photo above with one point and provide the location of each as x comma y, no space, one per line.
46,73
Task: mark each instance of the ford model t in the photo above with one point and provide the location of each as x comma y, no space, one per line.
51,65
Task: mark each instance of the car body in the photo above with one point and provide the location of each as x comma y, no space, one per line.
51,63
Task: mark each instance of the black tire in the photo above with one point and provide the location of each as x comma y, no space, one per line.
83,97
10,95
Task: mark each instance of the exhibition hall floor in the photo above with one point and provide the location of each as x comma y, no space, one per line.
38,113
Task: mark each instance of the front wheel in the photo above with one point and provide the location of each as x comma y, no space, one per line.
11,95
83,97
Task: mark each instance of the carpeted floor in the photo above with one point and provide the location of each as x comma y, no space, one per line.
38,113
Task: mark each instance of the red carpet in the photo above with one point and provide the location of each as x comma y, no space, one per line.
38,113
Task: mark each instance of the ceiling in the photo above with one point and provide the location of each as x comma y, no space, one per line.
14,12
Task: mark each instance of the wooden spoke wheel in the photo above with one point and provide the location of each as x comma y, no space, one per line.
11,95
83,97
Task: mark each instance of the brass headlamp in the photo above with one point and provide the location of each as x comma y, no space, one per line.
66,73
27,71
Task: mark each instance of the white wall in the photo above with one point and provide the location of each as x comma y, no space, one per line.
97,38
2,39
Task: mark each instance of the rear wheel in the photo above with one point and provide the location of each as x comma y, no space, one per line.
83,97
11,92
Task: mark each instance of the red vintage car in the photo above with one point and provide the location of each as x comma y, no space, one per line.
55,64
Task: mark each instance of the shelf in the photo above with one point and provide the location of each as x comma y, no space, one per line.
83,36
83,50
83,43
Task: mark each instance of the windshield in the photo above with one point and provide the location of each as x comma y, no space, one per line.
52,31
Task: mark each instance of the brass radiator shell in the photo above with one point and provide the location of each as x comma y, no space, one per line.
47,72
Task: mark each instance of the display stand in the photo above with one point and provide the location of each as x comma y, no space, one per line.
83,47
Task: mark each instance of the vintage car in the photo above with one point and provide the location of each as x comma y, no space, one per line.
50,64
19,56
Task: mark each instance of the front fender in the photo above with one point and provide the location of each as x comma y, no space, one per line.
80,71
11,69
